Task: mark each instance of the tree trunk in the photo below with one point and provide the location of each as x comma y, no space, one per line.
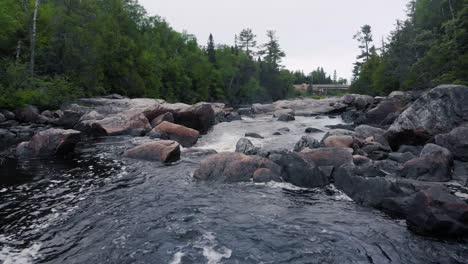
33,36
451,9
18,50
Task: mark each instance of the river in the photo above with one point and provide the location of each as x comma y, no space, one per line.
95,207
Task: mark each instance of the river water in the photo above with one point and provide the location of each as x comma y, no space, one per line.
94,207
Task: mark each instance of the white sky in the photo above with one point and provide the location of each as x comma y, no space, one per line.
312,32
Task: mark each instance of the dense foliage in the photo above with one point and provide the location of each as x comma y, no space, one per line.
95,47
428,49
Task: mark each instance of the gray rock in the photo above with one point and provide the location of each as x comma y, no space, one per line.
460,172
313,130
245,111
456,141
306,142
164,117
27,114
286,118
365,131
434,164
401,157
2,118
253,135
438,111
246,147
8,114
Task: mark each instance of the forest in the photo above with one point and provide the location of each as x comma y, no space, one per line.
54,51
427,49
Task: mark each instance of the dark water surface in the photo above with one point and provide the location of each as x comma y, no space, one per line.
94,207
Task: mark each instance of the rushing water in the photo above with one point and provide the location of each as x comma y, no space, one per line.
94,207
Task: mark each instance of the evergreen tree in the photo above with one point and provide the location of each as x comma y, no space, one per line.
247,41
210,50
271,51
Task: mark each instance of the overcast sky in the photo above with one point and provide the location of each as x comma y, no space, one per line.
312,32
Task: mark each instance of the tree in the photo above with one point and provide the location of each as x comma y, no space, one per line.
335,78
33,36
271,51
210,50
364,36
247,41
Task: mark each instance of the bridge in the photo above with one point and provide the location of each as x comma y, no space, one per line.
321,89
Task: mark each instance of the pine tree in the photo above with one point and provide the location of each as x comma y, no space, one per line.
210,50
364,36
271,50
247,40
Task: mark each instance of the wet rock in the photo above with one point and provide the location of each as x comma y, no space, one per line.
284,130
436,212
164,150
434,164
200,117
297,171
235,167
348,99
6,138
266,175
306,142
286,118
335,157
85,124
352,115
415,150
456,141
27,114
380,168
281,112
164,117
48,143
232,116
253,135
310,130
436,112
349,127
339,142
7,114
460,172
246,147
69,119
124,123
187,137
2,118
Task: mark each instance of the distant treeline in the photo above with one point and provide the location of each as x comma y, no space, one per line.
427,49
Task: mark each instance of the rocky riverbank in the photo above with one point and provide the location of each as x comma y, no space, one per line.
405,154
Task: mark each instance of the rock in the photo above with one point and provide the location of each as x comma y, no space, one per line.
352,116
114,96
335,157
187,137
245,111
235,167
200,117
359,160
164,117
27,114
339,142
286,118
6,138
297,171
456,141
313,130
436,212
284,130
360,103
277,133
229,117
85,124
401,157
48,143
348,99
438,111
7,114
338,132
69,119
124,123
365,131
460,172
306,142
434,164
415,150
246,147
2,118
382,111
253,135
380,168
164,151
266,175
281,112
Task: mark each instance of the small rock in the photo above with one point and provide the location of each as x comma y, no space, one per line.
339,142
246,147
253,135
313,130
306,142
286,118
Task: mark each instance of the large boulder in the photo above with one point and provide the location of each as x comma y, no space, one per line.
68,118
245,146
375,133
48,143
385,108
456,141
436,212
164,151
237,167
27,114
438,111
200,117
187,137
133,123
306,142
8,114
434,164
